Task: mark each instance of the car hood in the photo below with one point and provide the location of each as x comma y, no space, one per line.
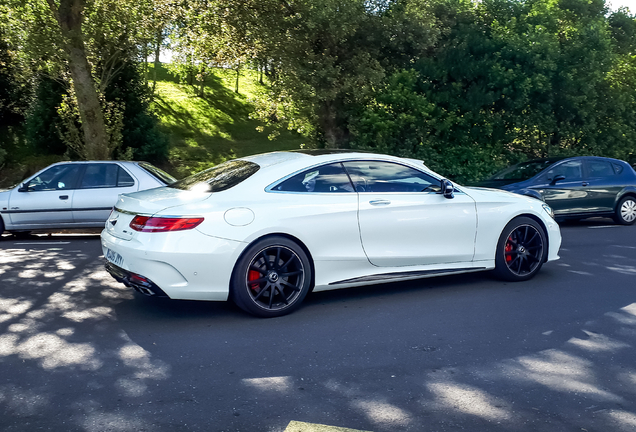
152,201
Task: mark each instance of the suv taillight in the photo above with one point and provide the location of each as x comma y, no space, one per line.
162,224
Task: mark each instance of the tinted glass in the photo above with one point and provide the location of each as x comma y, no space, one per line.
59,177
523,170
571,170
374,176
326,178
218,178
618,168
157,173
600,168
100,176
124,179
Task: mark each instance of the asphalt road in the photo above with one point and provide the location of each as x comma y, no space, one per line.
80,352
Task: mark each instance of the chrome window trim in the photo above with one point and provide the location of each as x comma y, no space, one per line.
272,185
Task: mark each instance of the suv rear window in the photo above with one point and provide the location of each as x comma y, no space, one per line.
218,178
157,173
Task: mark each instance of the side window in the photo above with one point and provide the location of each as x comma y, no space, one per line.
571,170
59,177
618,168
326,178
100,176
124,179
600,169
374,176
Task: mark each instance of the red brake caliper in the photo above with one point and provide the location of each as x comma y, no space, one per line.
508,249
251,276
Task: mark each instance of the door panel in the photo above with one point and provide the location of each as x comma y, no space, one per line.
603,185
98,190
569,195
404,229
405,221
46,199
41,207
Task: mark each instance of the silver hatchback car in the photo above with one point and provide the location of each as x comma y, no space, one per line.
69,195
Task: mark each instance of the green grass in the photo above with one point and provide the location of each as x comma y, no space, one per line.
204,131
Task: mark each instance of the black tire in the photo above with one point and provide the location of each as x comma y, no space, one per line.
521,250
1,225
271,278
625,211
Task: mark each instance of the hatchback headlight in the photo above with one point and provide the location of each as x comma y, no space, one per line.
548,210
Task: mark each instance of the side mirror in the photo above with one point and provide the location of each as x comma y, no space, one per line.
23,188
556,179
447,188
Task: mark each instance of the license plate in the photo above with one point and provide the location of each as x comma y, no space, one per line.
114,257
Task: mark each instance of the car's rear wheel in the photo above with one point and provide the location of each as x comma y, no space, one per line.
271,278
626,211
1,226
521,250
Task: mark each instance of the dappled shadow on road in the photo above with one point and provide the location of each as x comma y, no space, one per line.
79,351
59,347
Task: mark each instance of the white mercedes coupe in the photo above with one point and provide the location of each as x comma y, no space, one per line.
265,230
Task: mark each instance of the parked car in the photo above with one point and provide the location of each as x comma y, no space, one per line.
265,230
576,187
74,194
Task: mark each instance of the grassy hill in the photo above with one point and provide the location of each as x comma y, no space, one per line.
204,131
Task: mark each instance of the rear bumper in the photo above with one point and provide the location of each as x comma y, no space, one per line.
137,282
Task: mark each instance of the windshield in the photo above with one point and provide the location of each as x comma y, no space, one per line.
218,178
524,170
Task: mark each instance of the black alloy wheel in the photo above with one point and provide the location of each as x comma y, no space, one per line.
272,278
521,250
626,211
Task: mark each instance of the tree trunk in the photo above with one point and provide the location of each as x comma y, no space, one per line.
157,62
333,133
238,73
69,17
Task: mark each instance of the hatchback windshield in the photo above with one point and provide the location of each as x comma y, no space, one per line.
218,178
524,170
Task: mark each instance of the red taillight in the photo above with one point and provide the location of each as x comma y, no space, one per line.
161,224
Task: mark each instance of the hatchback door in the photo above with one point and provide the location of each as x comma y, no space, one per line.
98,190
45,200
404,219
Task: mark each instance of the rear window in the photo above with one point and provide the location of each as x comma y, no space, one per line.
157,173
218,178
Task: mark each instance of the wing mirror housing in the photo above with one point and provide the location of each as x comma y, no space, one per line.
23,188
556,179
447,189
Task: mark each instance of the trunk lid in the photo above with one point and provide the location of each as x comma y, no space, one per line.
148,203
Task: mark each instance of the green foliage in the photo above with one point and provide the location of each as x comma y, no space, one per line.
507,81
204,131
43,123
139,126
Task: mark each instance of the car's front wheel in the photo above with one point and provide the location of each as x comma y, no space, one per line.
271,278
521,250
626,211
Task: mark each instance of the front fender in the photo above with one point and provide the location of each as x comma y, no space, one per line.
531,193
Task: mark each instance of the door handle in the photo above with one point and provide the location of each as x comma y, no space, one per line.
379,202
63,197
585,183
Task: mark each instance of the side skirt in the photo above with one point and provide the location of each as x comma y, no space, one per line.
387,277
